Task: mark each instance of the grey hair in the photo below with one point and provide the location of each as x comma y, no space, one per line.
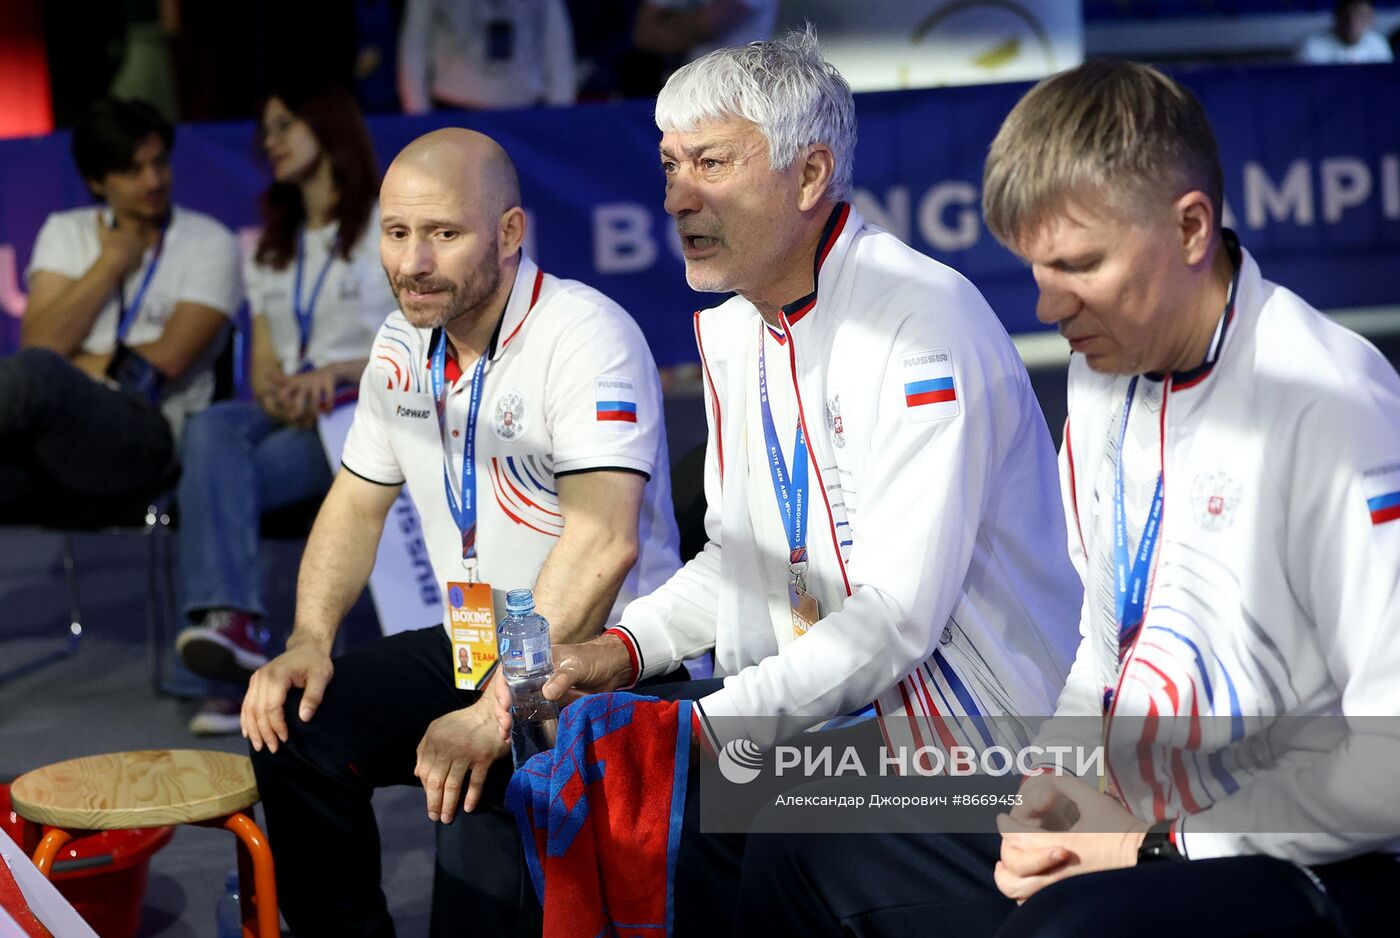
783,85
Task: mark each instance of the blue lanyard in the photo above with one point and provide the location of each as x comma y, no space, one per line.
464,513
790,491
128,313
1132,582
305,311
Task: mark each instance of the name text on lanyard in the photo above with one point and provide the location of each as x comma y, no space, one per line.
1131,576
463,511
790,488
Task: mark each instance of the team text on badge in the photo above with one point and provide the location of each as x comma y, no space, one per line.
472,625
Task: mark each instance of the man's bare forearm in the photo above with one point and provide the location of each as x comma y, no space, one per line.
339,556
579,582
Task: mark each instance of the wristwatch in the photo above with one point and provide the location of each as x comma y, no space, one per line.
1157,844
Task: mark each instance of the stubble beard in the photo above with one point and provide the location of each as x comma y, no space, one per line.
706,281
698,276
467,298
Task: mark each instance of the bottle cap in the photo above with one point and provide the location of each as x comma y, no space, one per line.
520,602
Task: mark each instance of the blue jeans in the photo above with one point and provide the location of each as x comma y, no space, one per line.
238,463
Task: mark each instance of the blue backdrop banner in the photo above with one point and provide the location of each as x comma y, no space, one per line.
1311,157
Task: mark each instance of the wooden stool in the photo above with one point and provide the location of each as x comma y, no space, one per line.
148,789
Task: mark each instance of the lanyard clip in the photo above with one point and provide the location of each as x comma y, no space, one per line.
798,569
469,564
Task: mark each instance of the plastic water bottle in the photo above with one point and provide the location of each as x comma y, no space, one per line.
527,662
229,911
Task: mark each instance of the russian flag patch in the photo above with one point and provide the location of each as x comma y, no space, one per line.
1384,507
1382,489
616,400
930,387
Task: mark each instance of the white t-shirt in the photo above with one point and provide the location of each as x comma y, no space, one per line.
353,301
198,263
1325,48
756,24
571,386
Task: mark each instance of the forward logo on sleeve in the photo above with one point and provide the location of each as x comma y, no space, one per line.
1381,486
930,386
508,418
615,399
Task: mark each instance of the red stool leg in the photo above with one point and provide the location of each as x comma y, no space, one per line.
248,897
255,866
48,848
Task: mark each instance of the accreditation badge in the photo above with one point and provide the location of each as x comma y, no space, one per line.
471,622
804,610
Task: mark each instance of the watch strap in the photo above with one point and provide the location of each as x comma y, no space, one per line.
1158,845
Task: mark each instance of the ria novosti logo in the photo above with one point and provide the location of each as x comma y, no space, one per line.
740,760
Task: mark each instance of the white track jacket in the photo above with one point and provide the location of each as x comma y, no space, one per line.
944,587
1275,594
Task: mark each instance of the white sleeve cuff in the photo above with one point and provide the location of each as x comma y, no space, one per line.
651,648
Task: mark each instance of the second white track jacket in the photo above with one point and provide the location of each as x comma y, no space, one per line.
1259,703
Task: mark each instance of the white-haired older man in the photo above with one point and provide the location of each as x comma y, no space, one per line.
882,514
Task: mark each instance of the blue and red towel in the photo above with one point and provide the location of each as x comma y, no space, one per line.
600,814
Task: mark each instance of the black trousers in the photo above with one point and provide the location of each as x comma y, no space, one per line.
316,791
317,788
68,442
871,885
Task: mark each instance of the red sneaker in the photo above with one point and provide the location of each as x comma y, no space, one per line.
228,646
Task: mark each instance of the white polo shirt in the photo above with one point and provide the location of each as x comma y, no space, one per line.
198,264
570,386
353,300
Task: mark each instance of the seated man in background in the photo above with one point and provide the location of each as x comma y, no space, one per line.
881,514
127,302
1231,480
693,28
1350,41
485,394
